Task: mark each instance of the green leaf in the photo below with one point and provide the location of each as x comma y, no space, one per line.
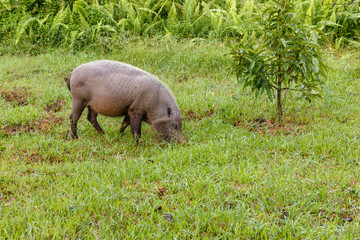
269,91
315,62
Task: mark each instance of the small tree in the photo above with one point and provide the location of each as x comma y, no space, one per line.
281,54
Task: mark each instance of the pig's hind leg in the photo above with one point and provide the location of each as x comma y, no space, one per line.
125,123
78,107
92,117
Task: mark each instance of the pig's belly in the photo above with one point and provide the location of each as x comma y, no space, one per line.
109,107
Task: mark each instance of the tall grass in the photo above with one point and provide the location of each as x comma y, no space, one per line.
84,23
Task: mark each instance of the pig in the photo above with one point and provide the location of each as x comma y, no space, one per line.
115,89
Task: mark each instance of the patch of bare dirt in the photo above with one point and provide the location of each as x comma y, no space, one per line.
265,127
55,107
43,124
191,115
161,191
16,96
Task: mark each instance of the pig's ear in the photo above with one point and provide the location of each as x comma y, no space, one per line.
161,124
169,112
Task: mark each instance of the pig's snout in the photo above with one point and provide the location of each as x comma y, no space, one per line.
180,138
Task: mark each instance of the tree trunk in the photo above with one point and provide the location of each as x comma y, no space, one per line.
280,79
279,105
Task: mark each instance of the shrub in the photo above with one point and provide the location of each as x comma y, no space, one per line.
281,55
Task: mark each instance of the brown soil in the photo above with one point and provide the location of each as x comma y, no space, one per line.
16,96
264,126
43,124
55,107
191,115
161,191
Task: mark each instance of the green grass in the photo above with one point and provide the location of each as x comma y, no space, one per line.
237,177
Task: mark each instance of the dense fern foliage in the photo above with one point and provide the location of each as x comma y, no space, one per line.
80,23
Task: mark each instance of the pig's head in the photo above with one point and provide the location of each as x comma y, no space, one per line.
170,127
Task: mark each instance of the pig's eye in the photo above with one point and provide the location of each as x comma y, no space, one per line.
169,112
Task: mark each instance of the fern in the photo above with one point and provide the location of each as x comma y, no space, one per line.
99,29
79,7
6,4
150,27
74,37
24,23
189,9
107,28
63,17
310,13
96,32
123,23
106,14
147,13
110,8
216,21
90,19
136,25
249,9
84,25
131,12
172,13
231,6
27,22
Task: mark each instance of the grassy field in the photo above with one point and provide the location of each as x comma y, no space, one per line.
238,176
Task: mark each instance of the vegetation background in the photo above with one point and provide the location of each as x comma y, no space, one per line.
78,24
239,176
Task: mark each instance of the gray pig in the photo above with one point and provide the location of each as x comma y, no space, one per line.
115,89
